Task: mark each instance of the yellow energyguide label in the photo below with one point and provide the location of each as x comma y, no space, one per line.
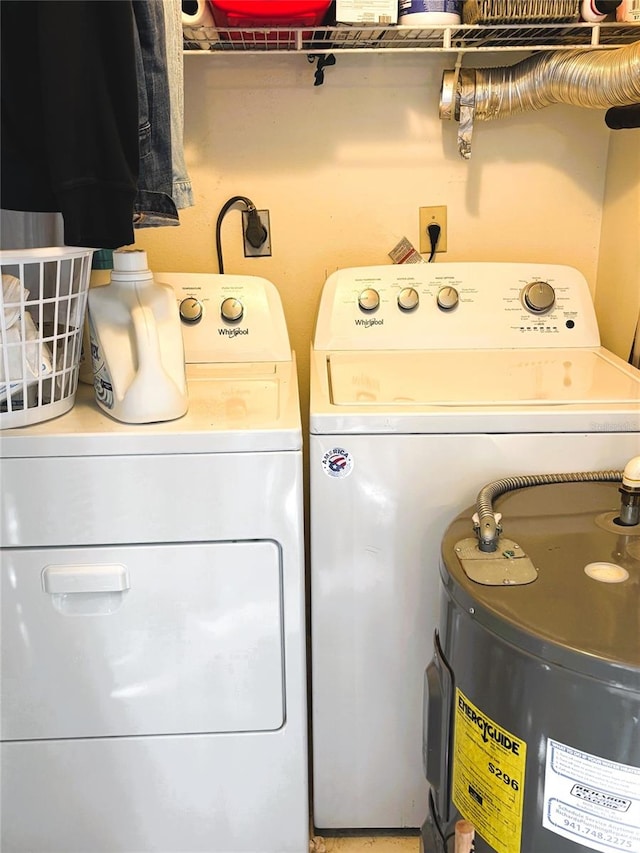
488,776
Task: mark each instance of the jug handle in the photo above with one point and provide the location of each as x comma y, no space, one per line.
148,345
147,341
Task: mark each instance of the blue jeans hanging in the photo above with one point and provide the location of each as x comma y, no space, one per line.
154,205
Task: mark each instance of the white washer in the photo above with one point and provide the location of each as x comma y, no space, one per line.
153,623
427,382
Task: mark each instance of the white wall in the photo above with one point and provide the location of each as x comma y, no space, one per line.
344,167
618,287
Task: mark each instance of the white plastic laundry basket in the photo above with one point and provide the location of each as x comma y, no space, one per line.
44,300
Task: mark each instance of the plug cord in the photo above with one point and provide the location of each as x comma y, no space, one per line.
255,228
433,230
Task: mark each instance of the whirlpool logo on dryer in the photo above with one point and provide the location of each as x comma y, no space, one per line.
368,323
233,333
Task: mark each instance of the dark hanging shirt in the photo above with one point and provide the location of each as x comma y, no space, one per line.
69,121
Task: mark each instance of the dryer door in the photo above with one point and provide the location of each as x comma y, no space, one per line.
99,642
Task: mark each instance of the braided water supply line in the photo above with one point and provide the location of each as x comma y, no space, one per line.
487,527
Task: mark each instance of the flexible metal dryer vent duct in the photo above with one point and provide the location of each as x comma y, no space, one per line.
599,78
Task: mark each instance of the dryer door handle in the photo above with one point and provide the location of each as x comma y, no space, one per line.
60,580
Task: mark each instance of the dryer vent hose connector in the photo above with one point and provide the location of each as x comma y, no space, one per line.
596,78
487,529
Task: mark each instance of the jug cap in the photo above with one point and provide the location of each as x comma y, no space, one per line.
130,265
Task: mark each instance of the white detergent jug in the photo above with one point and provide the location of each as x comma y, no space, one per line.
136,344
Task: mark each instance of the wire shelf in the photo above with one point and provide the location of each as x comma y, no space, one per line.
460,38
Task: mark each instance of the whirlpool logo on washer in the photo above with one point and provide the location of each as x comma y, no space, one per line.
233,333
369,323
337,462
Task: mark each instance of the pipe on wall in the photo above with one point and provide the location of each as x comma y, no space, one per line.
597,78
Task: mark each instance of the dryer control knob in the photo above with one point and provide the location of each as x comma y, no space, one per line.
369,299
447,298
538,297
190,310
408,298
231,309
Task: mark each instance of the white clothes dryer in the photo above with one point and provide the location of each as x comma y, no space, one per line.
427,382
153,622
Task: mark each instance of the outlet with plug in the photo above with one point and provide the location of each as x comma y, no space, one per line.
256,233
433,216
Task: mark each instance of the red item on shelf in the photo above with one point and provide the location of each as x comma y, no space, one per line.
269,13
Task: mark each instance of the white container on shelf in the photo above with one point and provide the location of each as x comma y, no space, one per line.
597,10
136,344
418,13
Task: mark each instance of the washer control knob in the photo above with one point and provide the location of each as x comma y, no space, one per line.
408,298
231,309
369,299
447,298
190,310
539,297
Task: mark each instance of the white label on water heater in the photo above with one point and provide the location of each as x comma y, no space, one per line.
590,800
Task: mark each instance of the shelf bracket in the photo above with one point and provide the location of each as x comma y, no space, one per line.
322,61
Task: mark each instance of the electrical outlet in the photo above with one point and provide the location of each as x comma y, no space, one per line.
428,215
263,251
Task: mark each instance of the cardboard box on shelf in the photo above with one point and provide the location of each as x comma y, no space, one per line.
628,12
383,12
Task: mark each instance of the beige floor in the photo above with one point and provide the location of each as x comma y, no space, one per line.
378,844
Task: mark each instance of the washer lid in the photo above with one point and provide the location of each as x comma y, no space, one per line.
467,391
469,378
585,619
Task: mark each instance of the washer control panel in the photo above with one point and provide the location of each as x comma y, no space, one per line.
229,318
456,306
